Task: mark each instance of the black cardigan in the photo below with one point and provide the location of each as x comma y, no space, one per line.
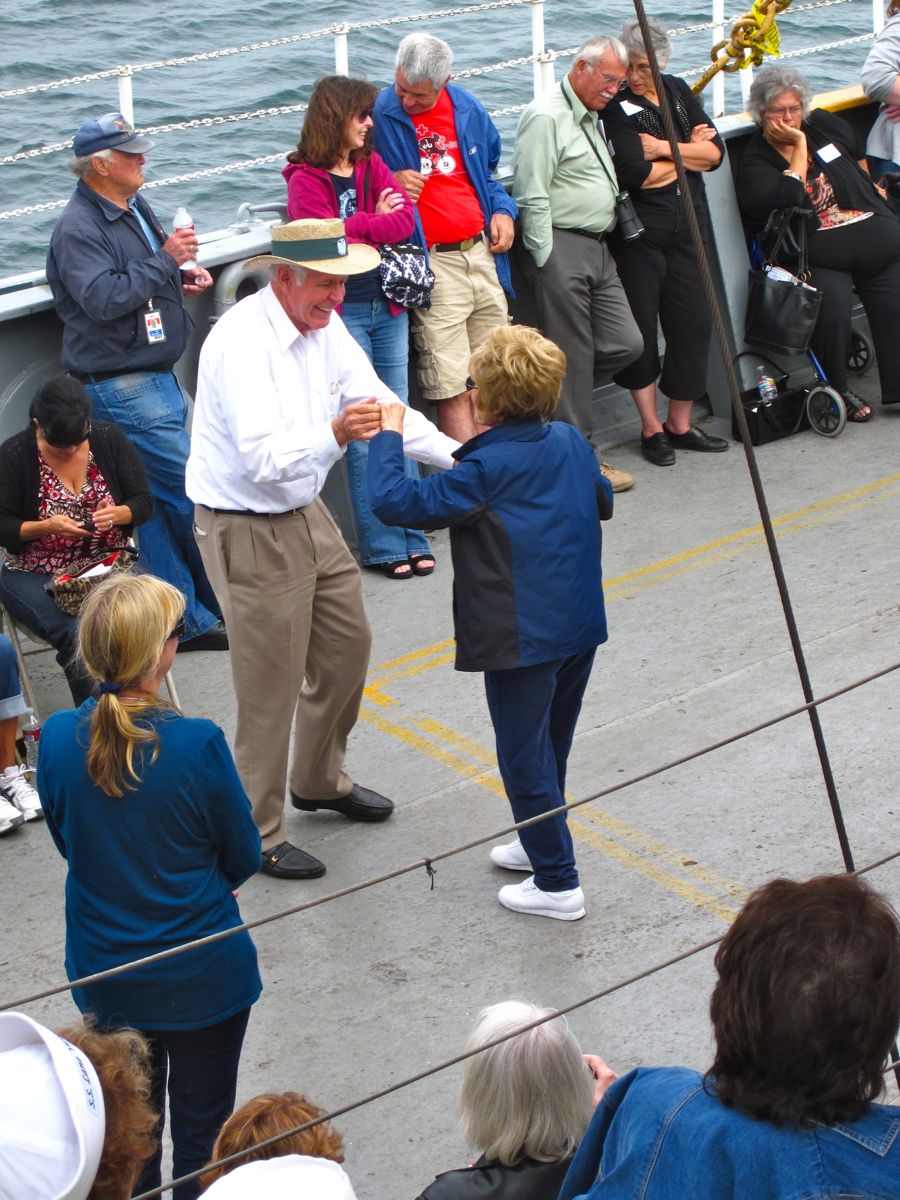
117,459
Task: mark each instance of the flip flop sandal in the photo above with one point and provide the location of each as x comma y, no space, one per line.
397,570
418,563
855,406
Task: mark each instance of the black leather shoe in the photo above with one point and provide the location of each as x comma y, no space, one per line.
360,804
696,439
289,862
214,639
656,449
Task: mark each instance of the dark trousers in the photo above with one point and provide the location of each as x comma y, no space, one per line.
865,256
662,281
200,1067
580,305
534,711
22,594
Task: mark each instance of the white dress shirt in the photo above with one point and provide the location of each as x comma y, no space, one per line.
266,396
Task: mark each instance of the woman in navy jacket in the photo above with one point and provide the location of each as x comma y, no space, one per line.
147,809
523,505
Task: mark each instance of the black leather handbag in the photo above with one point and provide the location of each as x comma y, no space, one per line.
781,314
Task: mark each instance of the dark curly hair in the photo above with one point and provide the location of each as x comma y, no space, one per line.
334,100
122,1062
807,1002
264,1117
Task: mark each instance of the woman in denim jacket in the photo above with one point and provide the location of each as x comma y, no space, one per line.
805,1010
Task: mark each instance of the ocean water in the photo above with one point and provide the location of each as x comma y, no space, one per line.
49,40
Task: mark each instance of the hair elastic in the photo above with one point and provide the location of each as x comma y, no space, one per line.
114,688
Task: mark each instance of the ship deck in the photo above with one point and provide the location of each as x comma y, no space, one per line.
379,985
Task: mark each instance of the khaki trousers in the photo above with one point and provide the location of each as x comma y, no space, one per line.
291,600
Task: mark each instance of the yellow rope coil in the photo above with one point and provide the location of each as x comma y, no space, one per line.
753,35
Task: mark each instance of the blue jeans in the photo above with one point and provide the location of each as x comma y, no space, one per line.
22,594
200,1069
150,407
385,340
534,711
12,702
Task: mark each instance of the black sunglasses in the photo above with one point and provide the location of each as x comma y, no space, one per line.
177,632
365,114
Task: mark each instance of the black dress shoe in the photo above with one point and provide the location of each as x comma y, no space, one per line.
215,638
696,439
360,804
656,449
290,862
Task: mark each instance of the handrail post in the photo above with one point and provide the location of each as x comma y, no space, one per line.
126,95
548,75
341,57
877,17
718,33
746,83
537,46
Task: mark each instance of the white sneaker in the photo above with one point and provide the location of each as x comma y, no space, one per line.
16,790
10,817
527,897
511,857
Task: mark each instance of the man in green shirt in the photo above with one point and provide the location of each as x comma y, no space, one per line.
567,206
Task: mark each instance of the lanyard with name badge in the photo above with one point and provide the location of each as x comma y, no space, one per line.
153,325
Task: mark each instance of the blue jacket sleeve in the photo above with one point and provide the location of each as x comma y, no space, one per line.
228,814
585,1166
446,499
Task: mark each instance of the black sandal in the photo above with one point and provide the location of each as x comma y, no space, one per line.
397,570
417,561
855,406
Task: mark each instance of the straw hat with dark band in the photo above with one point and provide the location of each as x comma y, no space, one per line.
319,245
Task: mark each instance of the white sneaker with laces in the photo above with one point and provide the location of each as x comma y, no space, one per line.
527,897
10,817
16,790
512,857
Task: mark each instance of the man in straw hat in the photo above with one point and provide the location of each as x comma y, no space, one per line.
282,389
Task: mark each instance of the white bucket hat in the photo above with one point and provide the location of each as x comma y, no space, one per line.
51,1114
284,1178
320,245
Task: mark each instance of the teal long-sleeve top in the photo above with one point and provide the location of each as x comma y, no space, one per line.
153,869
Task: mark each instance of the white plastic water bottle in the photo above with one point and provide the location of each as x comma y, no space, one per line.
766,385
184,220
31,736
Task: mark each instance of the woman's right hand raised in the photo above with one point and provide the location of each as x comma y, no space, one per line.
777,132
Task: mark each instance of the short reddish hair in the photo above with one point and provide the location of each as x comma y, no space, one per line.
265,1117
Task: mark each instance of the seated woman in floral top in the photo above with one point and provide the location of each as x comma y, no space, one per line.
70,490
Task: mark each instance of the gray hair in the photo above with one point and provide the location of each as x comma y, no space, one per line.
82,164
424,58
300,272
530,1096
633,40
598,47
769,83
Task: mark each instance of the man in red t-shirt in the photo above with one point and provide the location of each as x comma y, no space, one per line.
443,147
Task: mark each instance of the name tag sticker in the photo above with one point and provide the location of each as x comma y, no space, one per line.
154,326
629,109
829,153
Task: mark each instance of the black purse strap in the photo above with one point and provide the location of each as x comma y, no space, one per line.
612,182
801,216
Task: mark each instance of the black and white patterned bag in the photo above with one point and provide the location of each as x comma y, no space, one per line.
406,277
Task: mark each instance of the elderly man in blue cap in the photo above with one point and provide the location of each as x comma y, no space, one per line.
119,283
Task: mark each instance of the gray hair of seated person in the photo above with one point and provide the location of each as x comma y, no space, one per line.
530,1096
81,165
595,48
633,41
770,83
422,57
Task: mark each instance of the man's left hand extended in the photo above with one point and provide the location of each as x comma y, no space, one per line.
502,233
357,422
392,415
197,282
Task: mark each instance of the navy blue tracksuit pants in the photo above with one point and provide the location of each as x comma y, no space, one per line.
534,711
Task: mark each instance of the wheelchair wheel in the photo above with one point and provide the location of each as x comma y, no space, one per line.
826,411
862,353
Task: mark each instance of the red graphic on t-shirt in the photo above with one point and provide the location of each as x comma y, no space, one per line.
448,205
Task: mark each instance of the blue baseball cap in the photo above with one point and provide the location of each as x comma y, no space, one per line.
109,132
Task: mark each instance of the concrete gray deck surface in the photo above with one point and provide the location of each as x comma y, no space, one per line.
363,991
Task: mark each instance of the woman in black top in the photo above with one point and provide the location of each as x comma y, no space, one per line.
659,270
813,160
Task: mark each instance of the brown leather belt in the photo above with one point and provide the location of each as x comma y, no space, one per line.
465,244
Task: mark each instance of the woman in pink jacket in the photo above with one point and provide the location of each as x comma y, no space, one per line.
335,173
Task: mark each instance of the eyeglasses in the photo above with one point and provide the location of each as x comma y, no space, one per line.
365,115
177,632
794,110
67,445
611,83
640,69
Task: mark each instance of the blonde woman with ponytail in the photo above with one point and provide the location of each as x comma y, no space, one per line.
146,807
